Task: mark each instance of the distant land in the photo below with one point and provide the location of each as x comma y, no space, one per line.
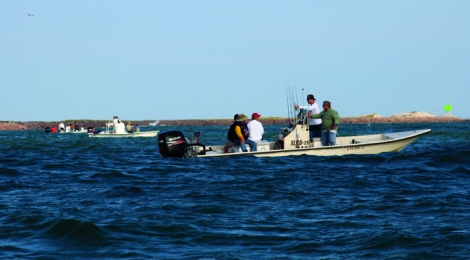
411,117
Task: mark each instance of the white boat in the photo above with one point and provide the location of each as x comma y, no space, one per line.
82,130
292,140
121,132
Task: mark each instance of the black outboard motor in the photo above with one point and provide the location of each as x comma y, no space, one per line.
173,144
48,130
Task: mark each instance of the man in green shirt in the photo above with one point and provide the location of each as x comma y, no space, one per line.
330,122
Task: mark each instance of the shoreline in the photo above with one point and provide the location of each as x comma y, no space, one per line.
204,122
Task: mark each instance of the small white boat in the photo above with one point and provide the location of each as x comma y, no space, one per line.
82,130
292,140
121,132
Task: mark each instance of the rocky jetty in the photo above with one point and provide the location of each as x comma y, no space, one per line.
412,117
43,125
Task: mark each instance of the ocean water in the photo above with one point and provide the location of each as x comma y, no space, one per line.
68,196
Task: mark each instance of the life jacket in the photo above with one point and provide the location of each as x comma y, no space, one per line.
232,135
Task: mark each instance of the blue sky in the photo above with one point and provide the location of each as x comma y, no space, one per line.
212,59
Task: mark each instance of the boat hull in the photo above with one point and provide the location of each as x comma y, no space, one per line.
373,144
109,135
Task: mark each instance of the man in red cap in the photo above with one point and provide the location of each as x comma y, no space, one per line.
255,128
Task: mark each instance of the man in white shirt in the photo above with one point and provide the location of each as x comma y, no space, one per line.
115,124
314,125
255,128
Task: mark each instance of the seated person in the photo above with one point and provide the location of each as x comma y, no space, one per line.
256,128
228,143
238,134
129,128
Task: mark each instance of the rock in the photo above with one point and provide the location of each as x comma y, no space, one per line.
401,118
414,114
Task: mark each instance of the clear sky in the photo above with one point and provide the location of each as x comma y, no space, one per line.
155,60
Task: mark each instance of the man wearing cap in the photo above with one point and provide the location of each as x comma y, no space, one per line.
228,143
330,123
255,128
314,124
238,135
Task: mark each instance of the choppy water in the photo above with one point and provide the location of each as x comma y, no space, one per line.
67,196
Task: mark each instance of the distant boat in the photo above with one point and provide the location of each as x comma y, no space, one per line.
154,123
121,132
68,129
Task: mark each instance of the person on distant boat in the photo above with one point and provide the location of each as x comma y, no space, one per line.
54,129
115,124
228,143
137,128
77,128
119,127
256,129
314,125
238,134
62,127
330,122
129,127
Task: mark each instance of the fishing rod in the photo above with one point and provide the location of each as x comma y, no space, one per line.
291,100
288,106
294,94
303,105
297,96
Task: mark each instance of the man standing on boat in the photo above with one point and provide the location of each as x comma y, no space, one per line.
314,125
115,124
330,122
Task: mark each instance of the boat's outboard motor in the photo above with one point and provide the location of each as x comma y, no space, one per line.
48,130
90,129
174,144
